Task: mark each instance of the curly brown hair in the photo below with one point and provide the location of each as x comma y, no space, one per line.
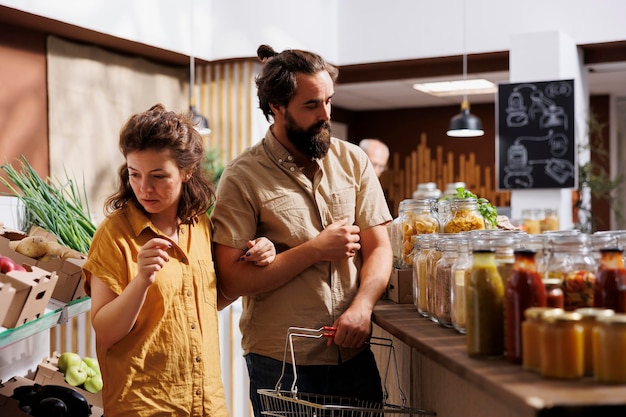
276,83
158,129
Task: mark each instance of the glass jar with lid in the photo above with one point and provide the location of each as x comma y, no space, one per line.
484,294
532,218
427,190
421,273
462,266
562,346
444,280
531,332
414,217
610,276
550,220
572,263
589,321
464,216
433,257
609,339
452,187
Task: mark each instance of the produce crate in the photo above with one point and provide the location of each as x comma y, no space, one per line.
48,373
400,288
7,292
33,290
69,271
9,406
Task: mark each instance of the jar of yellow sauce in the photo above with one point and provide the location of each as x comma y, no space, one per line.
589,320
609,342
561,343
531,328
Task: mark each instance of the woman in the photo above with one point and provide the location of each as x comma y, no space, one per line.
151,278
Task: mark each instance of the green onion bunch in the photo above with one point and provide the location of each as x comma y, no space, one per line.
59,208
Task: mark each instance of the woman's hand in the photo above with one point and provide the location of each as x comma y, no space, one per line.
151,259
261,251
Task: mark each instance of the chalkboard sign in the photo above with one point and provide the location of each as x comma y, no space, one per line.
536,145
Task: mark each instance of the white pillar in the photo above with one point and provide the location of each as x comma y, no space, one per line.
548,56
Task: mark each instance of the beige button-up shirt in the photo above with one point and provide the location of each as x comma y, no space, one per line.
263,193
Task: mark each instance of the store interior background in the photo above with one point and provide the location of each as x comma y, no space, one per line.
71,124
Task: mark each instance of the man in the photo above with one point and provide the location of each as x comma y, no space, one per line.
319,200
377,152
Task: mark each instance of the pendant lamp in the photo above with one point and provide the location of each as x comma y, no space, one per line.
200,122
465,124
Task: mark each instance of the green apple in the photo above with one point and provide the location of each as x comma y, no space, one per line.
75,376
90,372
92,363
67,360
93,384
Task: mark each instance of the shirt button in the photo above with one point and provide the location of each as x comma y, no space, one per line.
280,161
188,293
290,158
292,169
198,392
197,358
182,231
193,327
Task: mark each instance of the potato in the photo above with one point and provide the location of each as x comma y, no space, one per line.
32,246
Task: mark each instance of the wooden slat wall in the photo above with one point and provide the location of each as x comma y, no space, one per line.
425,164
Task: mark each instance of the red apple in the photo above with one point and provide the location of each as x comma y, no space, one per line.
6,264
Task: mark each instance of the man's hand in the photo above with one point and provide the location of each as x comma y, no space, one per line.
352,328
337,241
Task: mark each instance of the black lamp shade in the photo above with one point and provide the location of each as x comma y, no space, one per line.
465,125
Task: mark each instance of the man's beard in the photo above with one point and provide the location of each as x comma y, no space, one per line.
312,144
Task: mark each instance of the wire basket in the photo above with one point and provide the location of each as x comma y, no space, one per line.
291,403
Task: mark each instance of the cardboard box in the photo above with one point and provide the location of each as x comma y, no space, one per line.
7,292
9,406
400,288
33,290
69,271
48,373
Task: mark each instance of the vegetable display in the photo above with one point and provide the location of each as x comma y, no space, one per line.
59,208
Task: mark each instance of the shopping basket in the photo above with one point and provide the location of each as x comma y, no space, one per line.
291,403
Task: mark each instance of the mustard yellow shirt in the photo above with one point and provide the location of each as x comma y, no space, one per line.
263,193
169,364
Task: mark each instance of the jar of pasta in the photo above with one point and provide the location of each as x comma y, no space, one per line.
464,216
414,217
572,263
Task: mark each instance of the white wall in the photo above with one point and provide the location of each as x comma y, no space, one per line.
343,31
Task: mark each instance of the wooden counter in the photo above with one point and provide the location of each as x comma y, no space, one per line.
440,376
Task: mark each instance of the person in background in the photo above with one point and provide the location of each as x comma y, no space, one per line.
151,279
317,198
378,153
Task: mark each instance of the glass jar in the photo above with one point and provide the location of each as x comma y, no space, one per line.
484,297
464,216
539,243
532,220
422,273
462,265
589,321
414,217
561,342
444,280
523,289
433,257
417,247
610,277
531,332
550,220
571,262
609,339
427,190
451,188
554,292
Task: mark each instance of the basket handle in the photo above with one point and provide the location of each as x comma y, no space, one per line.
329,331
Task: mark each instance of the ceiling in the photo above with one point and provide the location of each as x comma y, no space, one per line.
603,78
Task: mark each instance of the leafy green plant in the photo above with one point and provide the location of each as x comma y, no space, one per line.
59,208
486,209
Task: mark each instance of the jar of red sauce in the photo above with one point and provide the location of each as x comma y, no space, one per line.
554,292
524,289
610,276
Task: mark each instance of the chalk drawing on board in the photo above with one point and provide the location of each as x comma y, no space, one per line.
542,109
518,171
